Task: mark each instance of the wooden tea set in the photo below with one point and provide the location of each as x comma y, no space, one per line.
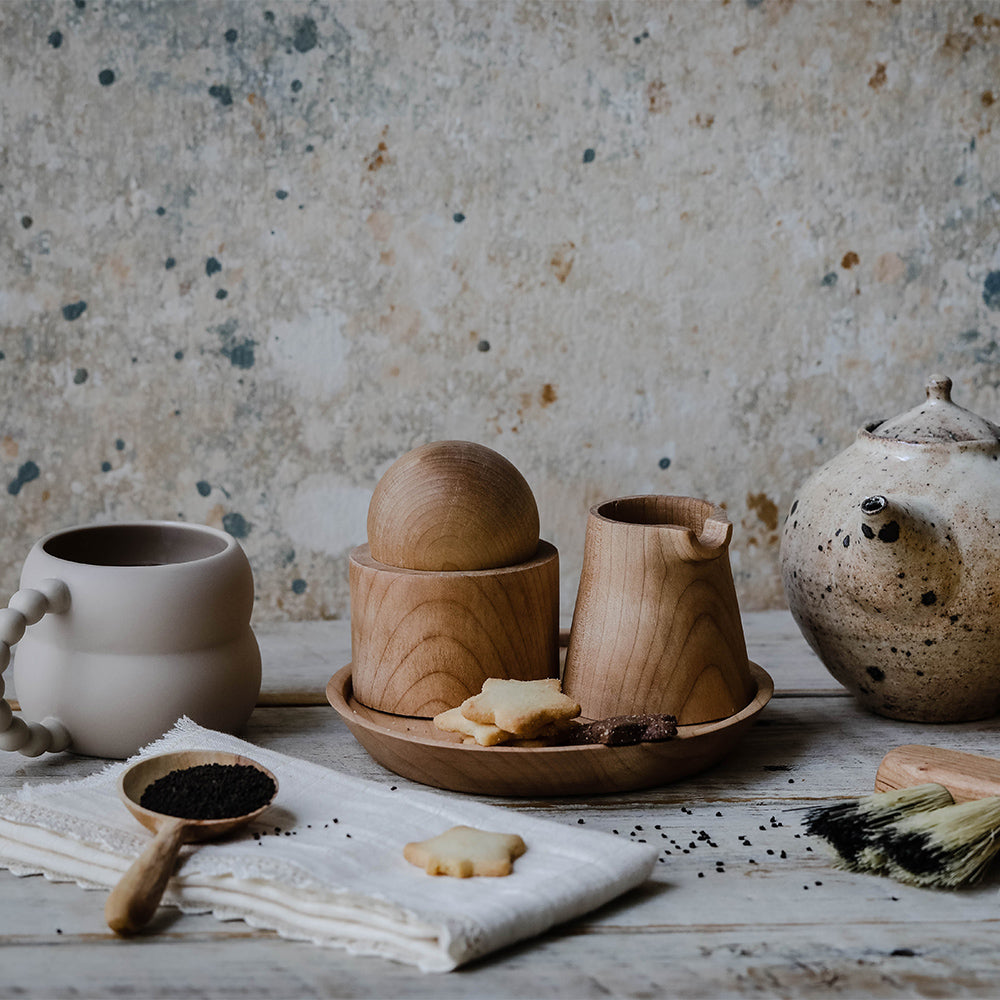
454,586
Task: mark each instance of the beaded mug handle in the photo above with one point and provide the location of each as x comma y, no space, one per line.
25,608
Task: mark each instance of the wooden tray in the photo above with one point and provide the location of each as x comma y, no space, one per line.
417,749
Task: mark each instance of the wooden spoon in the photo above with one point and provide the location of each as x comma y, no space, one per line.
134,900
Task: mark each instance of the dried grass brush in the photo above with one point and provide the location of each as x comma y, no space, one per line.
933,821
854,830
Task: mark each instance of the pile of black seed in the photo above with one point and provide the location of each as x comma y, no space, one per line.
209,791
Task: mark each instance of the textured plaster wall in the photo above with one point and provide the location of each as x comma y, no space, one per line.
251,252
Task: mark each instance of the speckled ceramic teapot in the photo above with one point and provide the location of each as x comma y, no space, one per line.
890,559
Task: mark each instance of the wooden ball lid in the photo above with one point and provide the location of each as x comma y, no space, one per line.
452,505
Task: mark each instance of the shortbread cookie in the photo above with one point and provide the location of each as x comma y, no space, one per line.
523,708
453,721
464,851
625,730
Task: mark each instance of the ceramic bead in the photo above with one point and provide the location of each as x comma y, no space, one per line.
39,740
60,734
31,603
15,736
56,593
12,625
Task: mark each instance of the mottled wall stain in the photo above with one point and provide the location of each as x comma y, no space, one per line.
252,252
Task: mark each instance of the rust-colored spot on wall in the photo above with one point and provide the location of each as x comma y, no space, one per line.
851,259
656,97
877,79
765,508
703,121
562,260
548,394
9,446
988,98
379,158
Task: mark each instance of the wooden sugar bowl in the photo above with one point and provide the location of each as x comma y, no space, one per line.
454,586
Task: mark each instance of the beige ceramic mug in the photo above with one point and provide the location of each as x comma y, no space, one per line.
656,627
121,630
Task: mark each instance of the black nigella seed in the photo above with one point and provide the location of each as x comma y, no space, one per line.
209,791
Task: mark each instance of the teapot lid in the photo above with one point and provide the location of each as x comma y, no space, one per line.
937,420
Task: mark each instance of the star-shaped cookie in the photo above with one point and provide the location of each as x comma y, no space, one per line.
523,708
464,851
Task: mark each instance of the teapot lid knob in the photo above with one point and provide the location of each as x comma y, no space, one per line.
939,387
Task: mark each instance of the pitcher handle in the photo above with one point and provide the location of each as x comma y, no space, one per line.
25,608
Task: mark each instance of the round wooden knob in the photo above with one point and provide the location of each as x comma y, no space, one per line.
452,505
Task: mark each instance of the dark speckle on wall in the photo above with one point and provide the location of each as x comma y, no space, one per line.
74,310
80,376
231,35
212,266
106,77
236,524
830,278
221,93
238,350
305,34
991,290
25,474
203,488
589,156
55,39
299,586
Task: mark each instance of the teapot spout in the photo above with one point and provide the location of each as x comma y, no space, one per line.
906,561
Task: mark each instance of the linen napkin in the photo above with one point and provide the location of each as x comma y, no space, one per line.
324,863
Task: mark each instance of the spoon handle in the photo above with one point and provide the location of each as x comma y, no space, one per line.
134,900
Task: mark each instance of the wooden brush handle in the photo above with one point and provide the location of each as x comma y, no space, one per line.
966,775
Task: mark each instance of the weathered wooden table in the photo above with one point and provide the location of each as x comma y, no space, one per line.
742,903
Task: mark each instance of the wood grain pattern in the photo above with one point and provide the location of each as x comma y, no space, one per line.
966,775
422,642
452,505
656,626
